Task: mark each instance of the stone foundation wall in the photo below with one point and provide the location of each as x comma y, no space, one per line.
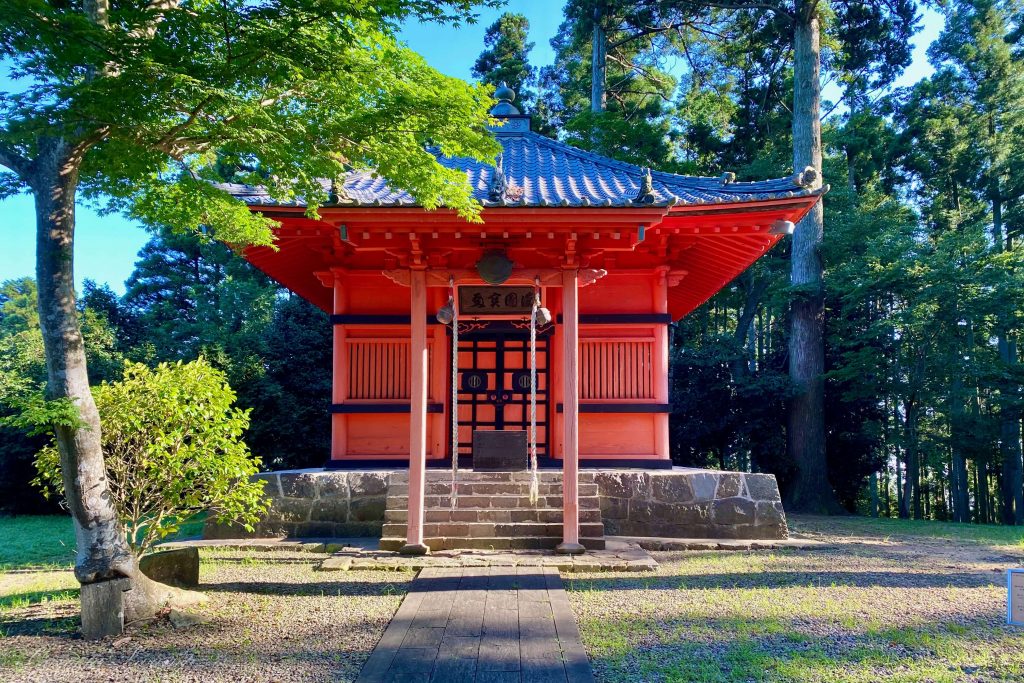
318,504
676,503
685,503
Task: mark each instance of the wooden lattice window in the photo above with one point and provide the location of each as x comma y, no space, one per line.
378,369
616,369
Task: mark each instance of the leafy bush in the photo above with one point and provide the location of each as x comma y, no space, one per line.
173,450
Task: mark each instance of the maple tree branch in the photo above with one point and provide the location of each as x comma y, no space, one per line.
10,158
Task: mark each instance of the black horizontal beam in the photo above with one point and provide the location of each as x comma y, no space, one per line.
585,319
467,461
613,408
368,464
380,408
631,463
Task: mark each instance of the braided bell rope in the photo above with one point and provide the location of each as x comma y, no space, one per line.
534,484
455,395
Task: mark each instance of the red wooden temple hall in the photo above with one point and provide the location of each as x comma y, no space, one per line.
610,252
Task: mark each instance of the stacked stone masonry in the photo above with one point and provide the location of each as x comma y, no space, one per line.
318,504
678,503
492,510
685,503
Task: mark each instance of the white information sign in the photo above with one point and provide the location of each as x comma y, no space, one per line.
1015,597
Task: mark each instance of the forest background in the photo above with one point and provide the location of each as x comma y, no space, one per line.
923,290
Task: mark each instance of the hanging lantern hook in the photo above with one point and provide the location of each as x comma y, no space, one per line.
534,318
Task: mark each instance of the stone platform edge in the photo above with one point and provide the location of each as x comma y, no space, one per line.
681,503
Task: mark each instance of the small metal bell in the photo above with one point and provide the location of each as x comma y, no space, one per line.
446,315
543,316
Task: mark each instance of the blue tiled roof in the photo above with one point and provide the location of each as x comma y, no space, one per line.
538,171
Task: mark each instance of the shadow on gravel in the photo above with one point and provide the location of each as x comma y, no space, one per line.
755,649
65,624
783,579
327,587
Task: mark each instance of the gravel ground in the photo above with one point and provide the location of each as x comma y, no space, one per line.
265,621
869,608
880,603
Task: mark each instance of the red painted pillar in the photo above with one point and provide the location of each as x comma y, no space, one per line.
571,400
339,380
417,413
661,442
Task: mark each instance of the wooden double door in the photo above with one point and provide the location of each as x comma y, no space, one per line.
494,382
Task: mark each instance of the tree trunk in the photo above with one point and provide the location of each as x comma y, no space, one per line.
810,490
958,463
888,491
980,493
598,63
910,480
1010,447
900,472
873,501
102,550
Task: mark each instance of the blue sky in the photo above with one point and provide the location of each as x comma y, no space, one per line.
106,246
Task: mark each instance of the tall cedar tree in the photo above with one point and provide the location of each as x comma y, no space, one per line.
963,129
506,58
810,488
609,90
134,102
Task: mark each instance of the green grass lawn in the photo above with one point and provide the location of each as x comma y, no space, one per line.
887,600
989,534
40,542
31,542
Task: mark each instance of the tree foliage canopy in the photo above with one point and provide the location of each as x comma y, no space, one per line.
157,99
173,444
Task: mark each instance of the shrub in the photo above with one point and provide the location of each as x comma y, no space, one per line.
172,448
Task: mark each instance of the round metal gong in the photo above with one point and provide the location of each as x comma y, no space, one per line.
494,267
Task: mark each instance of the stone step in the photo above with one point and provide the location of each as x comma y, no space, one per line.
491,488
493,502
395,543
492,530
492,515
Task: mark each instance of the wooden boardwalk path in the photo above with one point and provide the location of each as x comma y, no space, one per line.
482,624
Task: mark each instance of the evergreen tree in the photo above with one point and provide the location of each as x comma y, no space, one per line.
191,296
291,401
608,90
506,58
963,128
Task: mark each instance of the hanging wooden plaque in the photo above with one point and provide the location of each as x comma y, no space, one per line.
495,300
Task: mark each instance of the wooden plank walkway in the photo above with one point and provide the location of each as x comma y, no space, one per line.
482,624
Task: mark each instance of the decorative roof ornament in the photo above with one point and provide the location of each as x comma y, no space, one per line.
805,178
336,194
499,183
782,227
646,193
505,95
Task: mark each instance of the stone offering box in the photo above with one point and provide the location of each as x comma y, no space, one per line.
676,503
